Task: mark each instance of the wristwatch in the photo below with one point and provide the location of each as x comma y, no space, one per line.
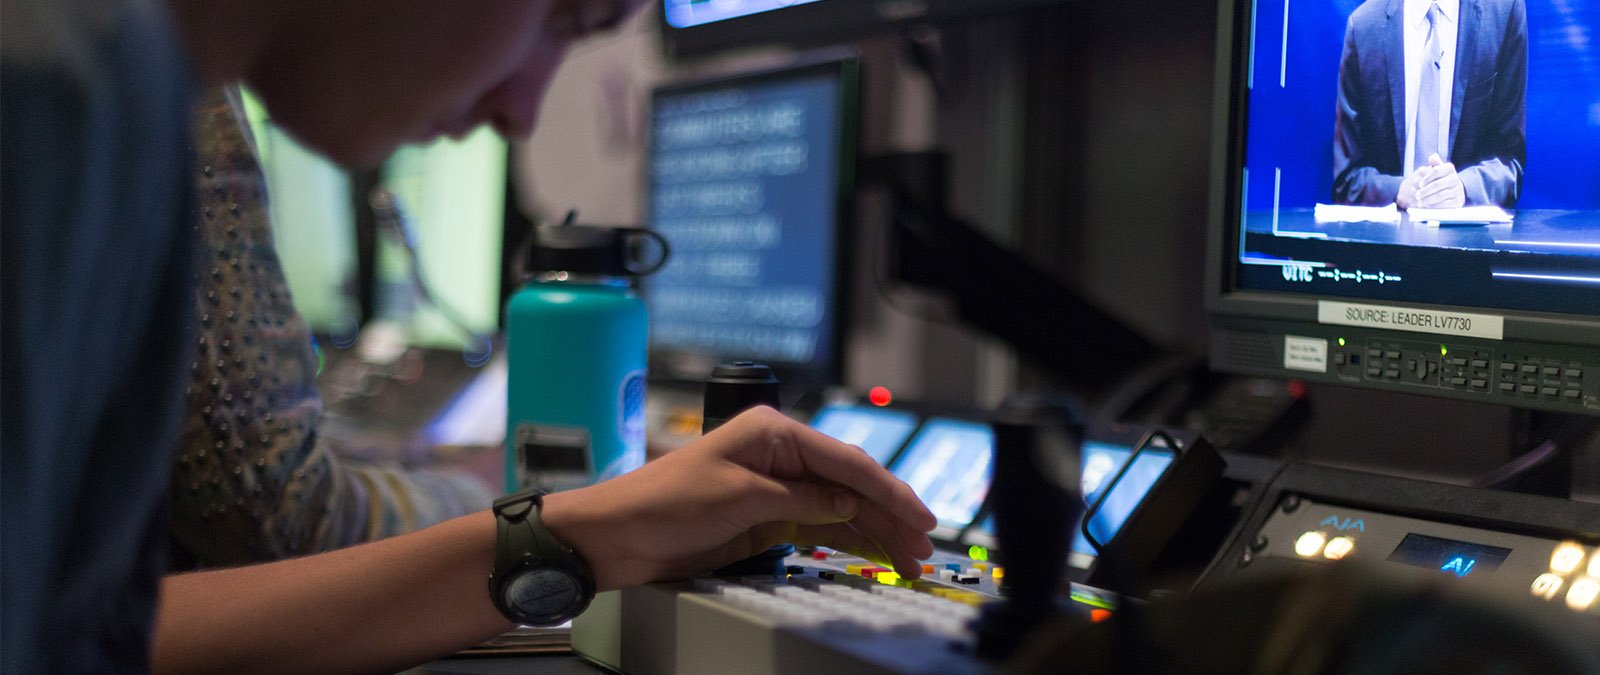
537,580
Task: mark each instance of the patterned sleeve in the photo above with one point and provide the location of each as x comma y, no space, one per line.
251,480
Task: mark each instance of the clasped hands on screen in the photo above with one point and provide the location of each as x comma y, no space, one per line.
1435,186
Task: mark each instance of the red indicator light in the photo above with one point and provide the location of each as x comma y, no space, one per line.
1098,615
879,396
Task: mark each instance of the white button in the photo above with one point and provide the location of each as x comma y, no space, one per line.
1310,544
1594,564
1566,558
1547,586
1582,594
1338,548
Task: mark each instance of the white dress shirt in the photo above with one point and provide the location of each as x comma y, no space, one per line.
1416,37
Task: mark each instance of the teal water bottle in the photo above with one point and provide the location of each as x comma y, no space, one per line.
576,345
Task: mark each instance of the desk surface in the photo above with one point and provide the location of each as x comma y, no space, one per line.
1535,231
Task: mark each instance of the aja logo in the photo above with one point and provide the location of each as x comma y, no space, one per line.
1459,565
1345,524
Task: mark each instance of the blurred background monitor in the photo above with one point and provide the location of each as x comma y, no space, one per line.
878,431
455,192
314,228
949,464
750,180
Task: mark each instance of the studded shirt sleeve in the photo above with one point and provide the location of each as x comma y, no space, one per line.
251,480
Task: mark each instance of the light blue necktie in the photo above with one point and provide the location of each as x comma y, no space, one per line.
1427,127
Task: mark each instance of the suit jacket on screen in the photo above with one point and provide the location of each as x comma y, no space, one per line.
1488,105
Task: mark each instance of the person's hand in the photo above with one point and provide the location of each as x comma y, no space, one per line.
759,480
1442,188
1409,187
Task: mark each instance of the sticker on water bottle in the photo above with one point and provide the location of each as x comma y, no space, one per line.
631,422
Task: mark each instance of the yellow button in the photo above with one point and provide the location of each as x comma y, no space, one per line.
1338,548
887,578
1310,544
1583,592
998,572
1566,558
854,570
981,567
1547,586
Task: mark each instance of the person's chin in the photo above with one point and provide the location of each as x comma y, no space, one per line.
353,151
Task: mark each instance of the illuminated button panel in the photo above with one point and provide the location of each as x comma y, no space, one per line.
1574,577
1556,571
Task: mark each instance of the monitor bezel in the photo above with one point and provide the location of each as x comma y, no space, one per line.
844,66
1223,296
825,22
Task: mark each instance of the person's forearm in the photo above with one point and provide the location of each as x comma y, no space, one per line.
380,607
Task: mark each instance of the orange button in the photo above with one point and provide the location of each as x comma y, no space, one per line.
927,569
1098,615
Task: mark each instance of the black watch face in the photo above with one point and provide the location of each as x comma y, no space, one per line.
543,596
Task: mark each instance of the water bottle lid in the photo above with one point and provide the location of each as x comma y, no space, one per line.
595,250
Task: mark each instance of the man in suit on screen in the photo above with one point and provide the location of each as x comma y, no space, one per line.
1432,104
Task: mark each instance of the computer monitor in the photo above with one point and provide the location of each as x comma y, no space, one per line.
949,464
750,182
455,192
878,431
313,224
1338,252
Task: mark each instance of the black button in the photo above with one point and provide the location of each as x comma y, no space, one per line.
1507,387
1391,374
1527,389
1480,363
1529,368
1458,381
1573,373
1508,366
1570,393
1551,371
1480,384
1548,391
1391,354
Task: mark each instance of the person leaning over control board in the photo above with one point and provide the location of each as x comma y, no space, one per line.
253,479
1432,104
96,334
